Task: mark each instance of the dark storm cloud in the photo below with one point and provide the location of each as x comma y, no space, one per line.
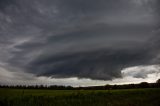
5,3
101,64
78,38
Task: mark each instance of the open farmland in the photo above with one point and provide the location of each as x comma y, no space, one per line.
37,97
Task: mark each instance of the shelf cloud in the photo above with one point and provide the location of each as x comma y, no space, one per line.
79,38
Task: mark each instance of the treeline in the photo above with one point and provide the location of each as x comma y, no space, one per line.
106,87
126,86
54,87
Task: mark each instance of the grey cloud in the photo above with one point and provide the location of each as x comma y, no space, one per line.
96,65
78,38
141,72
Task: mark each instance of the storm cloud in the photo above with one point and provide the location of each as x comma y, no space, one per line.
93,39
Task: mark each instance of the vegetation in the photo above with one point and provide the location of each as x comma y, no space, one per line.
143,94
37,97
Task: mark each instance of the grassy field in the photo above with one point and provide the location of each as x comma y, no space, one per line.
28,97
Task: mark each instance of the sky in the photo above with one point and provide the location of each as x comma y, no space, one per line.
79,42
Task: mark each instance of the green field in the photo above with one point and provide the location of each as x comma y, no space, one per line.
36,97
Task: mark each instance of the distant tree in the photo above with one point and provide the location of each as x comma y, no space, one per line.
144,85
158,81
115,86
108,87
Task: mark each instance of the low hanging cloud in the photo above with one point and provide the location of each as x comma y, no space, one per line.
77,38
142,71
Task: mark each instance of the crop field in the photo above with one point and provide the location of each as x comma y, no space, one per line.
37,97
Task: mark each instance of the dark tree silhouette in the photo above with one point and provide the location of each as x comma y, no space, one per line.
158,81
144,85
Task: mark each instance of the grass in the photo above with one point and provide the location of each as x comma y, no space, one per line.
36,97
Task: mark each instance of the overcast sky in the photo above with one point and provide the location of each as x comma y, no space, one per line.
79,42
